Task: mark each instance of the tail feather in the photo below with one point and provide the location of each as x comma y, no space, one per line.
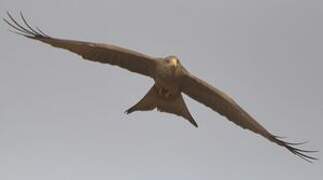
174,105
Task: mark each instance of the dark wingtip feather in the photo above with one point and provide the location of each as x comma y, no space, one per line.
27,30
298,152
21,34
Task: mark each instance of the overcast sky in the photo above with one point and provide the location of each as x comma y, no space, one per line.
62,117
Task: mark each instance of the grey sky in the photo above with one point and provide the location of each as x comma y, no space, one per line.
62,118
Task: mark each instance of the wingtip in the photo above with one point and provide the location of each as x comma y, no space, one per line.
298,152
27,30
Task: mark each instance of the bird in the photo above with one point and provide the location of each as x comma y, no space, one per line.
171,81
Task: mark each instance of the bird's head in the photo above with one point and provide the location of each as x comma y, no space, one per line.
172,61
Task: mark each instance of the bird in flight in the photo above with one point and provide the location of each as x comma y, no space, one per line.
171,81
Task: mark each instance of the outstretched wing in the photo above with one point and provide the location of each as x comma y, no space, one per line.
103,53
226,106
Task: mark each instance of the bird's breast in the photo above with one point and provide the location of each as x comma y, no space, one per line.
166,77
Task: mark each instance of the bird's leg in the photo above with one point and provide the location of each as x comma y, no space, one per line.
163,92
167,94
160,91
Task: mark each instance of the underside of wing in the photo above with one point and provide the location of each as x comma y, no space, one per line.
226,106
103,53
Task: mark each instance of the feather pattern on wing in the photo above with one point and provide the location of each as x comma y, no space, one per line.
226,106
103,53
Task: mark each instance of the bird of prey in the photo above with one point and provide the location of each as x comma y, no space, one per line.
171,81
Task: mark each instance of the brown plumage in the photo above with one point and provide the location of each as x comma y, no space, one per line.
171,80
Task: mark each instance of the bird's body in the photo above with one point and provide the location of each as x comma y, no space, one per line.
165,95
171,81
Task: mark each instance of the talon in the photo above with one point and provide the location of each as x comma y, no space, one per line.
160,91
164,93
167,94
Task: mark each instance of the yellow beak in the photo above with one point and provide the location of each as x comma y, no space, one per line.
173,62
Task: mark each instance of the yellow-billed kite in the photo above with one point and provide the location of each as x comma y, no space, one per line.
171,80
